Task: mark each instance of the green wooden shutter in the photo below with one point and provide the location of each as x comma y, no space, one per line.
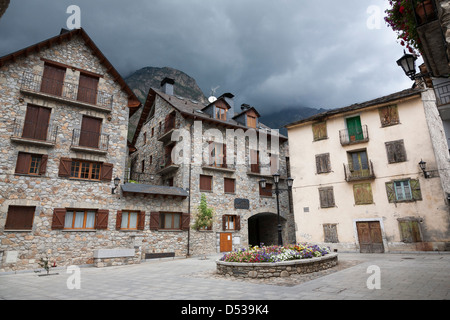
415,189
390,191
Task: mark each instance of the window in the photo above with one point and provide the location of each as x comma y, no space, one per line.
267,192
205,183
396,151
230,222
254,161
170,221
143,166
229,185
145,138
410,230
354,128
221,113
358,160
274,163
323,163
403,190
326,197
389,116
251,121
362,193
130,220
87,88
80,219
330,233
217,154
36,122
53,79
319,131
90,132
20,218
85,170
32,164
153,132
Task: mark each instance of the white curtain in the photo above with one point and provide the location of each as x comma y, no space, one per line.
90,219
68,220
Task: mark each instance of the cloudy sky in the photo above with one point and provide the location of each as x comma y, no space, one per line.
270,54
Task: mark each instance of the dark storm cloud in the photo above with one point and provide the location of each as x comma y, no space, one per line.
270,54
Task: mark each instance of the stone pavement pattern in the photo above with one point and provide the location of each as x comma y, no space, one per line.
403,276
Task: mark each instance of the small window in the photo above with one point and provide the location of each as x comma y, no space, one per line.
251,121
403,190
330,233
170,221
31,164
396,151
85,170
410,230
129,220
229,222
20,218
323,163
362,193
221,113
389,116
80,219
229,185
205,183
326,197
319,131
267,192
145,138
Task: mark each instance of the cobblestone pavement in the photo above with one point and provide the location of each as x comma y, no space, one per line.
413,276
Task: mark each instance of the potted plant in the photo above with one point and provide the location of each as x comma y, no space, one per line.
204,218
400,17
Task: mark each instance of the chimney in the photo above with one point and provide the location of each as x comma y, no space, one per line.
167,86
245,106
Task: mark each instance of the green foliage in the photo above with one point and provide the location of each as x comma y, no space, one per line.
204,218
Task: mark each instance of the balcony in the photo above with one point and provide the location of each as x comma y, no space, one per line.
36,85
442,91
359,135
215,166
35,134
364,173
87,141
167,128
167,166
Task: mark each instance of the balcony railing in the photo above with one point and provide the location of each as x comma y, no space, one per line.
442,91
424,11
90,140
35,83
357,136
164,134
361,174
139,177
34,132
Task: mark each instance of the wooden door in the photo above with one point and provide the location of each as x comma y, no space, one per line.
226,242
369,236
53,80
87,89
36,122
90,132
354,128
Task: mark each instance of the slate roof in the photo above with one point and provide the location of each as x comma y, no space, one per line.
154,190
358,106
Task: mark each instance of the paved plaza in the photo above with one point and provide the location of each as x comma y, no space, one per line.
407,276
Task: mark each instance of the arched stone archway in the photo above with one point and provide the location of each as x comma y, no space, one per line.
263,229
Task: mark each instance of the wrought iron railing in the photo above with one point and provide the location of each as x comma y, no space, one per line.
355,136
36,83
361,174
88,139
424,11
34,131
139,177
442,92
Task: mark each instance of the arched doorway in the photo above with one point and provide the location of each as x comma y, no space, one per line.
263,229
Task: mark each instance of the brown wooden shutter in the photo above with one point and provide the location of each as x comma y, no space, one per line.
119,220
323,163
59,216
237,223
229,185
23,163
102,219
396,151
330,233
87,89
205,183
141,220
36,122
90,132
154,220
185,221
224,156
64,167
254,161
20,218
43,165
53,80
224,222
107,171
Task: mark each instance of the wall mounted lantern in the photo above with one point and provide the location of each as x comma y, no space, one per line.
116,184
423,166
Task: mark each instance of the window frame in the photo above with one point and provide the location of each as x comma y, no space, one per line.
265,192
85,213
90,170
162,220
225,184
227,218
128,213
12,211
359,202
326,197
319,133
211,183
403,190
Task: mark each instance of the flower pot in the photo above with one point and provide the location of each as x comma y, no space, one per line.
425,11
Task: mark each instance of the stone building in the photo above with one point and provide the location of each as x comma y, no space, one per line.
358,181
212,150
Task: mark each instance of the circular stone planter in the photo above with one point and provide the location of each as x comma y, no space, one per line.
276,269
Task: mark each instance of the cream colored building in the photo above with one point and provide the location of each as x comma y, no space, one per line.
358,185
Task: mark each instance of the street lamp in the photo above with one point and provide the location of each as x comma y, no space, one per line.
423,165
276,180
408,64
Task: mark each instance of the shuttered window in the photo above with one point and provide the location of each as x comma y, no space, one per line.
396,151
403,190
362,193
205,183
267,192
389,116
410,230
231,222
254,161
53,79
130,220
323,163
229,185
326,197
87,89
319,131
170,221
90,132
86,170
36,122
330,233
31,164
80,219
20,218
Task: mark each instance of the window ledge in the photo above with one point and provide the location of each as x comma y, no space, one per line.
17,230
79,230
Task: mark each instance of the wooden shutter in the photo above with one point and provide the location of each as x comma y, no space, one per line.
36,122
64,167
119,220
319,131
363,193
154,220
20,218
185,221
107,171
224,222
90,132
205,183
23,163
326,197
237,223
229,185
141,220
87,89
415,189
53,80
330,233
59,216
390,191
410,231
224,155
396,151
43,165
254,161
102,219
267,192
323,163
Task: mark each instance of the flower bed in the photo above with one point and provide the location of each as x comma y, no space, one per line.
275,261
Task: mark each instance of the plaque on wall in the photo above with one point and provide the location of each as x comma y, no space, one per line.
241,204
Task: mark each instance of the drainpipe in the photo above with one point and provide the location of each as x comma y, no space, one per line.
189,195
